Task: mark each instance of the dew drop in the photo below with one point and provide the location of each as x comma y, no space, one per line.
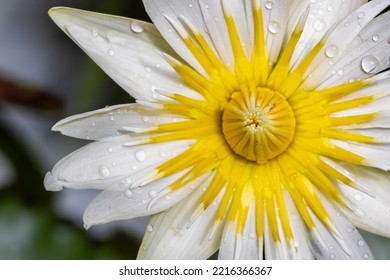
134,167
331,51
360,243
274,27
145,118
319,25
93,124
152,193
320,11
332,256
361,15
149,228
136,27
330,8
347,24
110,52
206,6
365,256
268,5
340,72
162,154
104,171
140,156
358,197
252,235
112,118
94,33
375,38
128,193
216,19
148,69
190,6
369,64
128,181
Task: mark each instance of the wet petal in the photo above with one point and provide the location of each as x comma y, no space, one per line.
346,243
170,237
340,38
370,209
111,121
123,201
126,49
100,164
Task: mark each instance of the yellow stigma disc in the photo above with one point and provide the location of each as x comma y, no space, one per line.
258,124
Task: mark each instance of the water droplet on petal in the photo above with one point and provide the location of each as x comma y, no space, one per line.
136,27
331,51
112,118
347,24
369,64
128,181
206,6
162,154
330,8
252,235
149,228
268,5
140,156
128,193
365,256
360,243
94,33
319,25
145,118
104,171
361,15
110,52
190,6
320,11
93,124
152,193
375,38
358,197
274,27
148,69
340,72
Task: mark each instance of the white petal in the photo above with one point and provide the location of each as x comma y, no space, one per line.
110,121
245,247
368,53
346,244
100,164
340,38
126,49
169,236
371,208
375,155
323,15
283,249
121,201
275,24
298,227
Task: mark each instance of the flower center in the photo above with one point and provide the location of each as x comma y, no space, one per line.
258,124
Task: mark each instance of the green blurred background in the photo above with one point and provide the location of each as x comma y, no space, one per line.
45,77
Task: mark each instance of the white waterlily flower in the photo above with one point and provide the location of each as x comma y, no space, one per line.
261,128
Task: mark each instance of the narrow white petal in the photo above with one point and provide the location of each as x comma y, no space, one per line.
371,208
300,232
323,15
347,243
299,248
275,19
169,236
340,39
121,201
126,49
245,247
160,10
110,121
375,155
368,53
100,164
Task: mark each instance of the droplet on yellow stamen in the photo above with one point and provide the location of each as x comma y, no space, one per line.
258,124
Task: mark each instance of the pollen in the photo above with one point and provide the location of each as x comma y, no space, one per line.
258,124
